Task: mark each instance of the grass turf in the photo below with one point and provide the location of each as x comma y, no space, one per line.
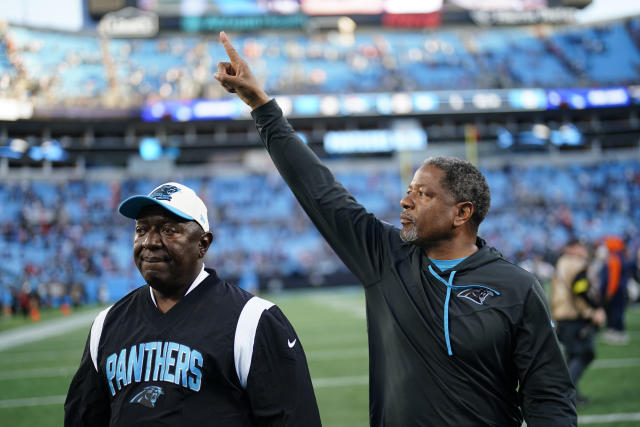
332,329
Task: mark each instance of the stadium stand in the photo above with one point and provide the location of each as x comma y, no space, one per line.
62,238
67,243
83,69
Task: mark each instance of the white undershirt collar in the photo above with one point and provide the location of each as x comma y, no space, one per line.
203,275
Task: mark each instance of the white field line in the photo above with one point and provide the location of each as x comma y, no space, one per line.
32,401
333,354
59,399
615,363
39,356
633,335
31,356
61,371
31,333
316,355
345,353
355,309
320,382
609,418
340,381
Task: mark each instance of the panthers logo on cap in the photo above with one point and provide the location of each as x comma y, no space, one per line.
164,192
148,396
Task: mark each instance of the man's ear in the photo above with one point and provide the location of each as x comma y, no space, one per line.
204,242
464,212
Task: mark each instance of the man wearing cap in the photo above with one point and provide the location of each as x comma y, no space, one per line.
188,348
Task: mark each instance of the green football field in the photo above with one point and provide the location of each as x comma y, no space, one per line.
331,325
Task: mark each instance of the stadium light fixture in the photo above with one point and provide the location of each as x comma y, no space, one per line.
346,25
53,151
568,135
505,138
50,150
16,148
150,148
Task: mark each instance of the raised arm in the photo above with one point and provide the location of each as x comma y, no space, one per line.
353,233
236,77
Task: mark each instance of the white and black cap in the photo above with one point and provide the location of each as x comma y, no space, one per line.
174,197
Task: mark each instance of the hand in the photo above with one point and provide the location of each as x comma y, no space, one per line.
236,77
599,317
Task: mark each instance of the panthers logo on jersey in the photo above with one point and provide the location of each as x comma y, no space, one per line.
148,396
164,192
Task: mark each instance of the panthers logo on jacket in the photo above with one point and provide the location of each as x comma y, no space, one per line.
476,295
148,396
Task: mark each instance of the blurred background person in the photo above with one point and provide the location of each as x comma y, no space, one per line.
615,275
576,310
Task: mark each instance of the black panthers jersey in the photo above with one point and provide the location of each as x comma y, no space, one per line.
219,357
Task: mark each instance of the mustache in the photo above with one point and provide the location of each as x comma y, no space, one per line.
407,215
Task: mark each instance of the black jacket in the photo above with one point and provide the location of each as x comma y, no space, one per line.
469,347
219,357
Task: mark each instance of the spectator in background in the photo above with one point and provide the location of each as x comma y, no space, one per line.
615,274
635,269
576,310
537,266
7,301
600,255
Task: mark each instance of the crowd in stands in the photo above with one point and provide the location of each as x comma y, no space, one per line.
81,69
66,243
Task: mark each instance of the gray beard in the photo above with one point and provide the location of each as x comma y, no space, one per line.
409,235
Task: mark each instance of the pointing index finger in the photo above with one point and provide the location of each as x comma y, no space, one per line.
233,55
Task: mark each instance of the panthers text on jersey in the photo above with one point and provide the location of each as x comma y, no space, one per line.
219,357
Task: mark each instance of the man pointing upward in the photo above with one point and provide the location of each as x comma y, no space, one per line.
458,336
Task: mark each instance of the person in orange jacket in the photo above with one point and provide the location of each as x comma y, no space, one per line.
614,277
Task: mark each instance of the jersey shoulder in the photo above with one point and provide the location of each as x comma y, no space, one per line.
133,300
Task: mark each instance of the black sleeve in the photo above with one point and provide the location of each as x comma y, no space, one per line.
279,385
87,403
352,232
546,391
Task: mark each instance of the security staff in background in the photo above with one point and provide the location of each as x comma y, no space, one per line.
457,334
188,348
575,306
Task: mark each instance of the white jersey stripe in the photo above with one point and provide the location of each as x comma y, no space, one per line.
96,333
246,334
